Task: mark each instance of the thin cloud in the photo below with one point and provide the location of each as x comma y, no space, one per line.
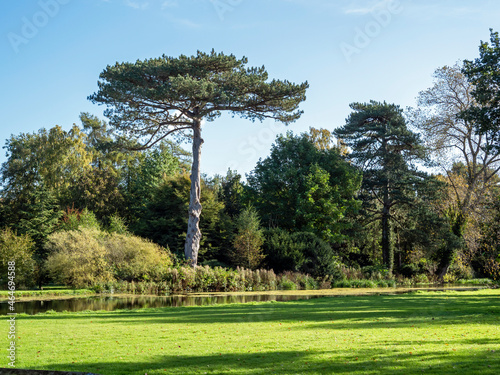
141,5
314,3
367,9
187,23
169,4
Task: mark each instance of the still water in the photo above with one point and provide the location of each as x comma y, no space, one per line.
110,302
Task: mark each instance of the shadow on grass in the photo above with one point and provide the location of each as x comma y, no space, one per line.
363,312
365,361
358,312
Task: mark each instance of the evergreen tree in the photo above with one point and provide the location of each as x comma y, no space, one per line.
386,151
152,99
143,177
249,239
38,216
232,193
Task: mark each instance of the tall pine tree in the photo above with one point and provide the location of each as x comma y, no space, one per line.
152,99
386,151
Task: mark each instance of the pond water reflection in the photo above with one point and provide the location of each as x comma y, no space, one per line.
117,302
110,303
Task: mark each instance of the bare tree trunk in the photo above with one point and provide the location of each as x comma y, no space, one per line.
443,270
193,236
387,250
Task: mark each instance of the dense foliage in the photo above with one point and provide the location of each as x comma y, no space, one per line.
484,74
20,250
84,257
248,240
91,206
301,187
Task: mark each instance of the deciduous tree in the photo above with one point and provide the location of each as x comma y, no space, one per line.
300,187
452,138
57,156
484,74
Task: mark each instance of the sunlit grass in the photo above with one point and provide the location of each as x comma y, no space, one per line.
423,332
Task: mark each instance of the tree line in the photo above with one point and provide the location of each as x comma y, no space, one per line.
314,205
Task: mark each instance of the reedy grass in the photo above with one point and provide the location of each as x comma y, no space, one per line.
46,293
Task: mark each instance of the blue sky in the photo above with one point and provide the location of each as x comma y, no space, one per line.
52,52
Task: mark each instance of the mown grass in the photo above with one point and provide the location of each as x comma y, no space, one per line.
423,332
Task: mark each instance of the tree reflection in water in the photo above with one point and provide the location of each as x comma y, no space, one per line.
110,303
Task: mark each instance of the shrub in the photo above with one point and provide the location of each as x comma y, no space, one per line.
286,284
421,266
325,282
117,225
403,281
391,283
187,277
300,251
74,219
204,279
134,258
421,279
460,269
344,283
76,258
408,270
449,278
375,272
89,256
282,252
19,249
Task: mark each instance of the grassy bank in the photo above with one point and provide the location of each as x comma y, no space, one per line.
423,332
56,292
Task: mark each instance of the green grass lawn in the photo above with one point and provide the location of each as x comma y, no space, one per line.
423,332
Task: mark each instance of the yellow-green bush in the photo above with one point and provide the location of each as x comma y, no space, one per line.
76,258
86,256
134,258
18,249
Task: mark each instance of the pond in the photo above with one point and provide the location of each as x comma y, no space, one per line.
117,302
110,303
